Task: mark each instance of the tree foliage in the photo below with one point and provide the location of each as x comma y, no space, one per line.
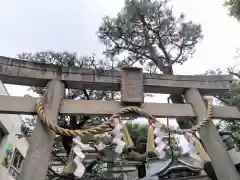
233,8
149,34
231,98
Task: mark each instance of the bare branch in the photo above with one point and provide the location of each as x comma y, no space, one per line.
230,71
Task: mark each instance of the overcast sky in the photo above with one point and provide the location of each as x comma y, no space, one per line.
59,25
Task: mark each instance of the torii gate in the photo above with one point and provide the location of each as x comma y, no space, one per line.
132,83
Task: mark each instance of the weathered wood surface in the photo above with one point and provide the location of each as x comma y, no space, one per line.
212,142
27,105
38,156
13,71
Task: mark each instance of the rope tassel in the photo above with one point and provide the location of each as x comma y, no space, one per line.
150,138
127,137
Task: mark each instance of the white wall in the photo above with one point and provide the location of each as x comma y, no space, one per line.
11,125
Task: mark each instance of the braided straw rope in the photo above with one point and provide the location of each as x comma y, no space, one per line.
208,117
106,126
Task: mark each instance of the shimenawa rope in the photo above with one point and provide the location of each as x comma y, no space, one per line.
106,126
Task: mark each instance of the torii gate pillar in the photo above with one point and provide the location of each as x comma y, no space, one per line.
39,152
212,142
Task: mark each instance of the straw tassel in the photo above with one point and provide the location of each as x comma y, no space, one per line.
127,137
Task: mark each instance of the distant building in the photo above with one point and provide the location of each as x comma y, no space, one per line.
12,149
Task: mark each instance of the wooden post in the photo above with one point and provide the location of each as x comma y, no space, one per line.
38,156
212,142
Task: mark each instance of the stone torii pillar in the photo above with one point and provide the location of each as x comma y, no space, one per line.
221,161
36,163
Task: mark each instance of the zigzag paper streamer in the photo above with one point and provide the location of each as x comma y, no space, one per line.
159,140
77,149
196,147
117,136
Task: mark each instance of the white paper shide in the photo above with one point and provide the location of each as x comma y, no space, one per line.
117,136
78,160
159,140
